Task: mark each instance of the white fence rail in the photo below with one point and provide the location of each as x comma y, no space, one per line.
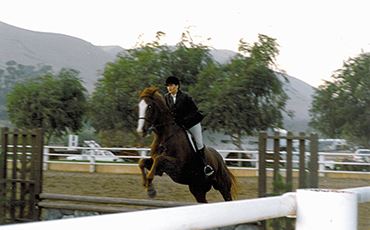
317,209
327,161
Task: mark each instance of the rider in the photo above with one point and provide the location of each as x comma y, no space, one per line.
186,114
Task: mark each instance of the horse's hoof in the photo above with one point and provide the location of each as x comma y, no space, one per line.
152,193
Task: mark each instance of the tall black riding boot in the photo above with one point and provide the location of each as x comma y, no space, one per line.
208,170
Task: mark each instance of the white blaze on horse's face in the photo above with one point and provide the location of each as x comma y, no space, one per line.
142,109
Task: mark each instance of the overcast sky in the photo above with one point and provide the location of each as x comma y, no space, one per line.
315,36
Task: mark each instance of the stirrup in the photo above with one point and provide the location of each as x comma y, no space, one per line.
208,170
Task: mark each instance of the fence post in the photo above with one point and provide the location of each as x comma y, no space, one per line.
289,163
45,156
321,164
314,166
302,161
3,174
276,158
37,140
92,164
321,209
262,164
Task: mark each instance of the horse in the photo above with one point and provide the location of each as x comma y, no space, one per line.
172,153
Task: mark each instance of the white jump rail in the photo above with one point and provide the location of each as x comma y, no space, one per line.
317,209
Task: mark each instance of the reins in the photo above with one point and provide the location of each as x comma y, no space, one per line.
167,122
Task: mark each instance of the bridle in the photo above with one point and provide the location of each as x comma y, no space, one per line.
156,127
153,126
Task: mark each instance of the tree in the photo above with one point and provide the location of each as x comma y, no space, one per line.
54,103
113,105
114,102
188,60
244,95
13,73
341,108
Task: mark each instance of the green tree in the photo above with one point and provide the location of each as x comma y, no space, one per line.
13,73
244,95
188,60
341,108
113,105
54,103
114,102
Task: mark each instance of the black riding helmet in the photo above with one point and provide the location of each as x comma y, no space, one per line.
172,80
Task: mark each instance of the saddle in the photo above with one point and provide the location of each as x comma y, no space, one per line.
160,148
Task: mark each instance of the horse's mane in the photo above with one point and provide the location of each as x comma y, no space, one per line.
149,91
153,92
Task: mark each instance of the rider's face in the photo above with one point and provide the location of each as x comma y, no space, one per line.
172,88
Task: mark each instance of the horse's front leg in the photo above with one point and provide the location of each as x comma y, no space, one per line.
153,155
151,173
150,177
144,165
169,164
151,165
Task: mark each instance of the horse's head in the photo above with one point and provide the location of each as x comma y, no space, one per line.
151,110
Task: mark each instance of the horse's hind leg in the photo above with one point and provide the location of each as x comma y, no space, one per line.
224,187
199,192
226,195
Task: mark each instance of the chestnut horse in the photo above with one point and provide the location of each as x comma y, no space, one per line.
173,154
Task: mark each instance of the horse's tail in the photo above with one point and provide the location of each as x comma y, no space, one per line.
226,181
234,184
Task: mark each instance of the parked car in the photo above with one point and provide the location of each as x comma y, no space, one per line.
362,155
99,155
96,152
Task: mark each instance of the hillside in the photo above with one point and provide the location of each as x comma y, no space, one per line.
57,50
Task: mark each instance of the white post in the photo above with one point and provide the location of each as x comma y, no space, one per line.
45,156
321,209
92,163
72,142
321,164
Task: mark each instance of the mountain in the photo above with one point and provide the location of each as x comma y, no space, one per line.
300,98
61,51
57,50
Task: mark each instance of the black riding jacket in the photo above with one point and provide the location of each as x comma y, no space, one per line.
184,110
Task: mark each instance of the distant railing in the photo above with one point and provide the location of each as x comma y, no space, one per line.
242,159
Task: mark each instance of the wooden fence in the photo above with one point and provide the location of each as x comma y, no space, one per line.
308,171
308,176
20,175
